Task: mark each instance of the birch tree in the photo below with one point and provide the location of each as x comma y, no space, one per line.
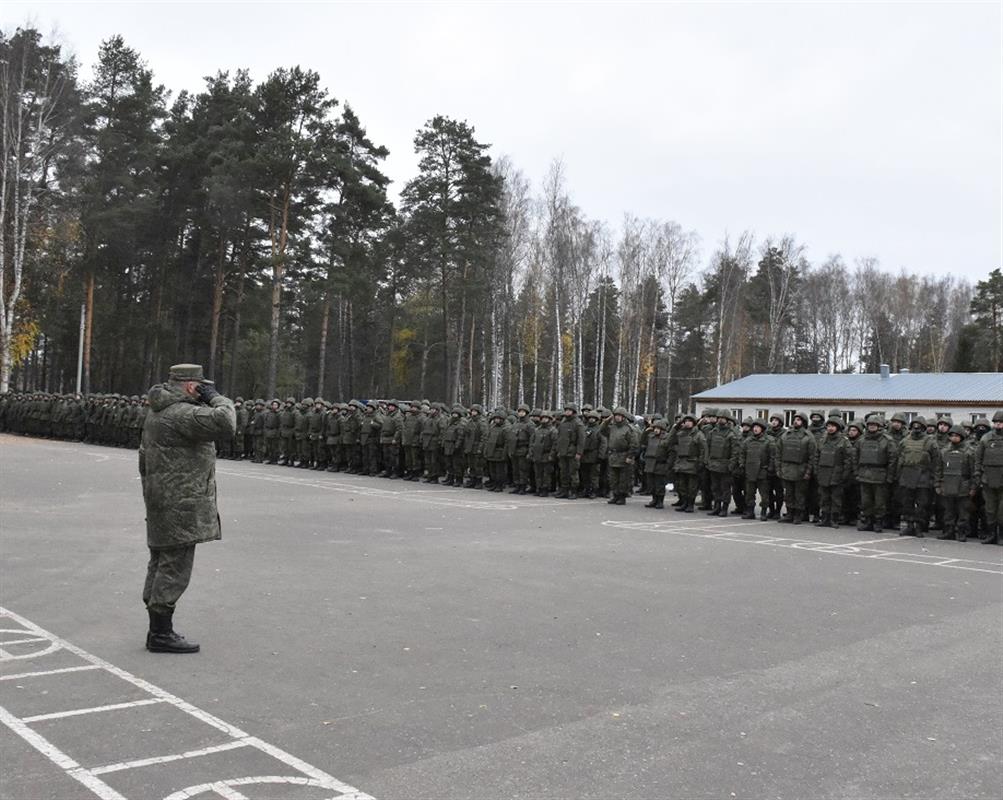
38,93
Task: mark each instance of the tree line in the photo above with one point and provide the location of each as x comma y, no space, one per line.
249,227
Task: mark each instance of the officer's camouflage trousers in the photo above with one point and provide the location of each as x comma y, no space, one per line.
167,576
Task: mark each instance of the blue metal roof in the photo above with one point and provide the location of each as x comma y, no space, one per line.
913,387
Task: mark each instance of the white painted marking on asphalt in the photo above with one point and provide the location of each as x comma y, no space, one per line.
316,777
93,710
146,762
22,641
320,783
5,656
833,548
18,676
58,757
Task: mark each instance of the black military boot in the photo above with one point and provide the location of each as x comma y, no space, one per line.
715,509
613,500
909,530
764,515
621,500
653,503
992,535
823,521
659,501
162,637
750,512
948,533
561,495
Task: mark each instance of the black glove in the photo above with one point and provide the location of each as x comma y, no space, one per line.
206,392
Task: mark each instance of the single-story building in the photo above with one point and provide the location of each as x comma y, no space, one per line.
964,396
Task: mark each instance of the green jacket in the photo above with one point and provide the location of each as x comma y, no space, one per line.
832,459
796,454
177,465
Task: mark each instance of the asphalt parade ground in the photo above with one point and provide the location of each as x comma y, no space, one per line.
363,637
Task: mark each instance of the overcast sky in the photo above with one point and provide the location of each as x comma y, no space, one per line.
864,129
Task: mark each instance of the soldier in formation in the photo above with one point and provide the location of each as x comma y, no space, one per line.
908,475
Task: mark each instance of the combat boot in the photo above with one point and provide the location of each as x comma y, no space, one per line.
909,530
823,521
162,637
864,525
561,495
750,512
763,515
948,533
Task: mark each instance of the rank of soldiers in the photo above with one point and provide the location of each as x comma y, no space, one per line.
910,475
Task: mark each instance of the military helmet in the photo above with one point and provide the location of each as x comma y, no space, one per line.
759,422
816,412
957,429
239,400
873,419
710,412
856,425
318,399
477,407
837,421
777,416
547,414
592,414
919,419
621,411
685,417
499,413
803,416
660,423
458,409
290,399
587,407
307,401
571,407
899,416
523,407
134,398
724,413
275,402
835,412
749,421
998,416
536,412
946,420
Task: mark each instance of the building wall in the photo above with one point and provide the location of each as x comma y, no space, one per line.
852,412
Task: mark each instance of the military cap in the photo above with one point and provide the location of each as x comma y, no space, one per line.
621,411
957,429
998,416
187,372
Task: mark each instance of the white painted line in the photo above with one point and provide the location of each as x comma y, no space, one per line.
5,656
321,783
23,641
832,548
316,777
147,762
58,757
93,710
18,676
873,541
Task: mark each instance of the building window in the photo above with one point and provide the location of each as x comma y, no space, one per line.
737,414
848,416
789,417
975,418
763,413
